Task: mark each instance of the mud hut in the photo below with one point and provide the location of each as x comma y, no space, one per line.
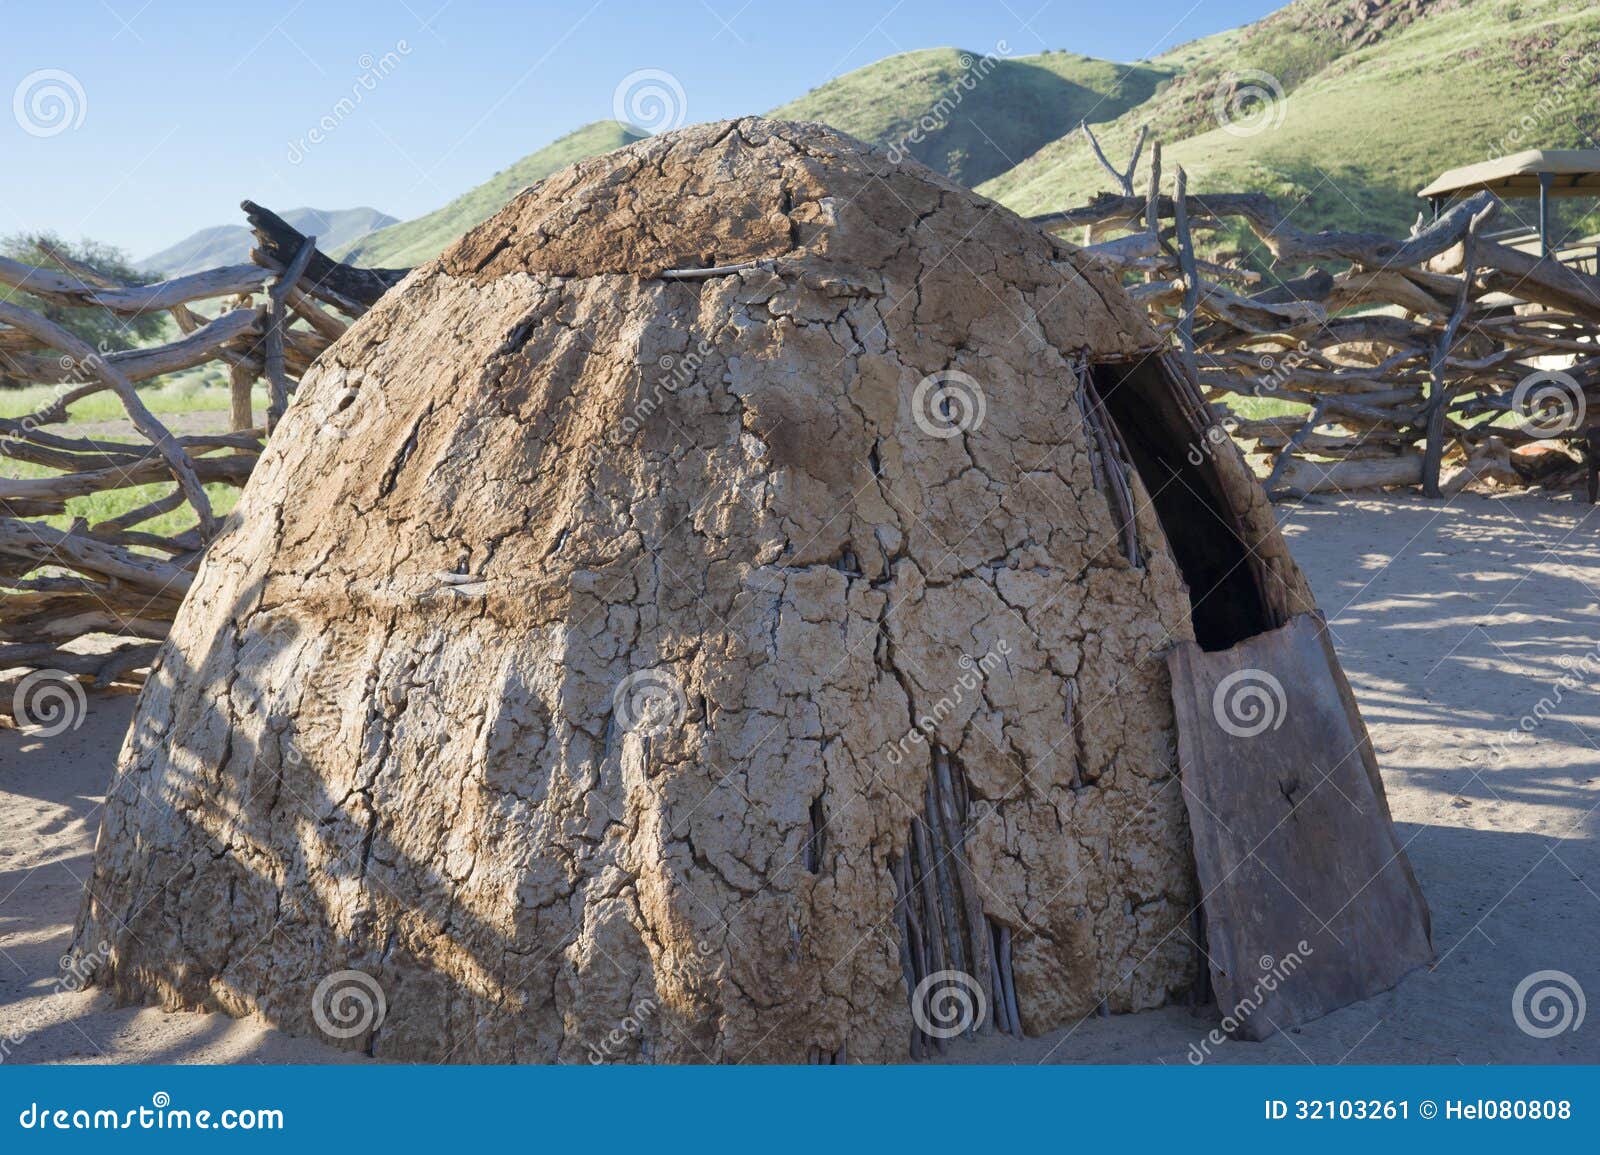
718,611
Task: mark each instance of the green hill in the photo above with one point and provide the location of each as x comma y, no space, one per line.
1006,108
1378,97
410,243
1374,107
972,116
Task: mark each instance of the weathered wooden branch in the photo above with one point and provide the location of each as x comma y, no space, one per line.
277,377
1124,178
1439,390
196,348
281,241
66,289
144,421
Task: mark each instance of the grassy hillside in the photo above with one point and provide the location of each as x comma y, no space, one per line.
1373,108
411,243
231,244
1008,108
983,115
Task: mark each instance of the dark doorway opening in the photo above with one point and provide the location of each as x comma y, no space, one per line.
1173,456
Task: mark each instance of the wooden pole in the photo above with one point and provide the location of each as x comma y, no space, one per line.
240,380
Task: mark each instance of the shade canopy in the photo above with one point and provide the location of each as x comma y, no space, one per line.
1573,172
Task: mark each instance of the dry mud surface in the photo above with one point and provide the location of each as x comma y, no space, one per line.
1454,621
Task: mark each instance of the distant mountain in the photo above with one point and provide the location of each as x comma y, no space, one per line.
402,246
972,116
231,244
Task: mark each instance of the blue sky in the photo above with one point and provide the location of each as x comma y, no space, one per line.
177,111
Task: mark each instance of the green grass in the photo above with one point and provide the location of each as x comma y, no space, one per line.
411,243
102,506
200,390
1255,408
983,114
1376,106
1362,128
203,389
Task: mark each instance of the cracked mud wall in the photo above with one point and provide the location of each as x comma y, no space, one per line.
384,735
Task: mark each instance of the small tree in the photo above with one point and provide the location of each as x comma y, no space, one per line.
100,327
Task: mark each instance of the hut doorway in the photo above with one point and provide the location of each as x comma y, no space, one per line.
1171,450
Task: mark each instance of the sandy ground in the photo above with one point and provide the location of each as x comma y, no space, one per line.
1454,621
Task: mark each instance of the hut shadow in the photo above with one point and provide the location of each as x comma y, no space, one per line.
265,814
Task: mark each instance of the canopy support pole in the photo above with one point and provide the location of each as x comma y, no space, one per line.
1545,181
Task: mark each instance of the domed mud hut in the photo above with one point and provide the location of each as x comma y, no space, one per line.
718,611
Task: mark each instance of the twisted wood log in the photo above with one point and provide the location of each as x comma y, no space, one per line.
146,422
